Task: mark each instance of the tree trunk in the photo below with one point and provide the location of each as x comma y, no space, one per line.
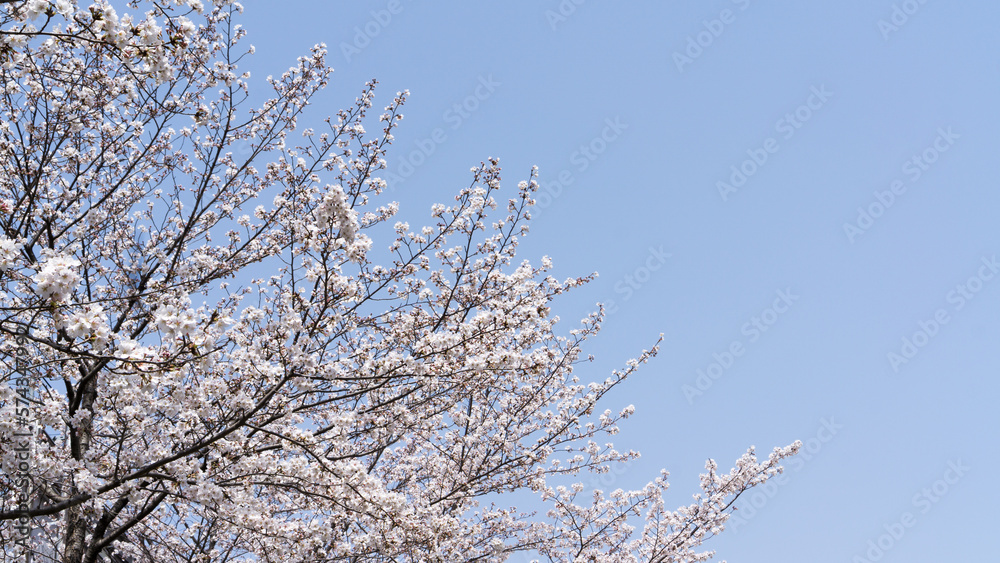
77,521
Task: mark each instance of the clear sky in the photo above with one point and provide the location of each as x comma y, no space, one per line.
802,196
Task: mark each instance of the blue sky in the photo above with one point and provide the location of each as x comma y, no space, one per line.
852,269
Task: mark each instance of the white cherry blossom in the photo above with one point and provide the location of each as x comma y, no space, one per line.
235,358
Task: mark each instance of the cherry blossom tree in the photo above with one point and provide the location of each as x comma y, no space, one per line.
223,348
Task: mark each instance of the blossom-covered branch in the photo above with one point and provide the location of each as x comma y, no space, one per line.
238,353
